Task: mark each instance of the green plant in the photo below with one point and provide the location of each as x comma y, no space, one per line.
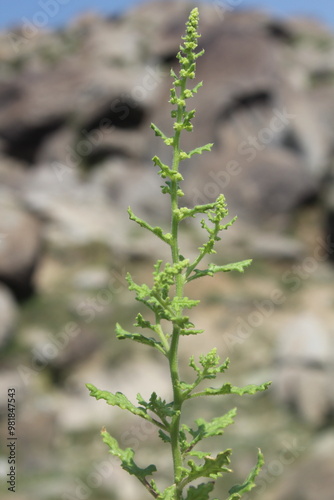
166,302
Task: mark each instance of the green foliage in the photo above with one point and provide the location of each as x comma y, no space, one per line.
165,300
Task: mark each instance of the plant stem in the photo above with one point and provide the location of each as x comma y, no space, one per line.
173,352
177,403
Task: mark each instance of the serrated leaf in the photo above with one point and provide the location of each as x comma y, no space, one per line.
214,428
200,492
155,230
184,212
210,364
199,151
190,331
142,291
235,266
157,131
157,406
126,457
117,399
213,268
180,303
230,389
210,369
238,490
137,337
143,323
198,86
165,438
213,467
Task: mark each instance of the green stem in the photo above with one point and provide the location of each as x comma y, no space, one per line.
195,263
173,352
175,423
161,334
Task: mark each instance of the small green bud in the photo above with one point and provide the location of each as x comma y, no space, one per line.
178,126
184,155
187,94
169,141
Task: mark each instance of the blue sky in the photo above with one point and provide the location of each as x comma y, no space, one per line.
56,13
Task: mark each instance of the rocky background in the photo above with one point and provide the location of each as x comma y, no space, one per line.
75,151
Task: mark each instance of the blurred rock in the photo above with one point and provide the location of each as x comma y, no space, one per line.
8,314
305,369
77,100
273,246
313,476
91,278
251,192
60,353
13,174
20,246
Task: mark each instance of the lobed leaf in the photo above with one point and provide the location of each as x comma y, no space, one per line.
213,467
214,428
143,323
126,457
210,365
165,438
142,291
180,303
238,490
235,266
213,269
200,492
137,337
158,132
184,212
166,237
197,87
157,406
151,298
230,389
118,399
199,151
190,331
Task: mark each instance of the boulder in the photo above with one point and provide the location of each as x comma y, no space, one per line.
313,475
86,101
263,187
20,246
305,367
8,314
